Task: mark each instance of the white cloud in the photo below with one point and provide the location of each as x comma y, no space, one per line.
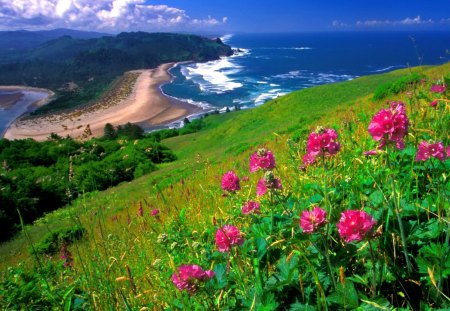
405,22
103,15
338,24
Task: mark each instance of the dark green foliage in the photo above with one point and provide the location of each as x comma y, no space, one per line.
392,88
38,177
51,243
109,131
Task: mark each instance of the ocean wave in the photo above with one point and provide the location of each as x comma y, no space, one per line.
314,78
266,96
213,76
388,68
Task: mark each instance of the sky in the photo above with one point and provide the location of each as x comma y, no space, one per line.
225,16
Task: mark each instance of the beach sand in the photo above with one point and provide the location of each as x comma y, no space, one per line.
146,105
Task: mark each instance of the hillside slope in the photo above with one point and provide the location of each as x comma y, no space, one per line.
126,251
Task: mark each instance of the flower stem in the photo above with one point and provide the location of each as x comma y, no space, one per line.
374,275
397,211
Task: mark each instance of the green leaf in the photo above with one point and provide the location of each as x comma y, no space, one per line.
297,306
376,198
345,296
375,305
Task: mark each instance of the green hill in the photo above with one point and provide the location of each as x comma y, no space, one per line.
126,257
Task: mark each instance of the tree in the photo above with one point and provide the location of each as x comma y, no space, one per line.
109,132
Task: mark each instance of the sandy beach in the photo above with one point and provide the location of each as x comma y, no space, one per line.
146,105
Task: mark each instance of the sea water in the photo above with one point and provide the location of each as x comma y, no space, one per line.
266,66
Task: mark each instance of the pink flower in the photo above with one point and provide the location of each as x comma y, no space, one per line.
390,125
155,212
354,225
427,150
250,207
188,277
262,159
228,236
448,151
438,88
434,103
230,182
308,159
266,183
322,141
140,212
310,221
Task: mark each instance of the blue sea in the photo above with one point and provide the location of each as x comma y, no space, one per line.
270,65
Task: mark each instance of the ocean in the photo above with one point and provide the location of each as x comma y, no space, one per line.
270,65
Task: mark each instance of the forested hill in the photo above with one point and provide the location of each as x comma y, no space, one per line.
96,61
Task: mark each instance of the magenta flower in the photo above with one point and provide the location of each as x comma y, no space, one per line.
434,103
140,212
308,159
438,88
390,125
250,207
310,221
188,277
354,225
228,236
262,159
427,150
448,151
230,182
266,183
322,141
155,212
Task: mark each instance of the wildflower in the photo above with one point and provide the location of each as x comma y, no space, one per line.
66,255
310,221
308,159
155,212
390,125
438,88
434,103
322,141
230,182
427,150
354,225
188,277
262,159
266,183
245,178
228,236
250,207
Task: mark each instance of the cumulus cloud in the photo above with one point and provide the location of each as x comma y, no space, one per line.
100,15
338,24
405,22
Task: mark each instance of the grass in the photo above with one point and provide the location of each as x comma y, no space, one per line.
126,260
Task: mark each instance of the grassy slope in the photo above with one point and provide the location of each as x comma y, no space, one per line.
225,137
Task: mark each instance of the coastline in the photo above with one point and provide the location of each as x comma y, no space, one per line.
147,106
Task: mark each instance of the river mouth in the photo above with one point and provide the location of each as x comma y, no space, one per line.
17,102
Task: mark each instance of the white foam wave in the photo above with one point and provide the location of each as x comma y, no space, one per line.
314,78
388,68
296,48
213,76
264,97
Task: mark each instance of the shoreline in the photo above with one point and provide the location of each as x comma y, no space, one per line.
147,105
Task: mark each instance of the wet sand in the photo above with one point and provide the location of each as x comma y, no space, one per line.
146,105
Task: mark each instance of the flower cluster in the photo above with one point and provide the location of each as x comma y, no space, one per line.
320,143
188,277
228,236
250,207
438,88
310,221
390,125
262,159
354,225
230,182
267,182
427,150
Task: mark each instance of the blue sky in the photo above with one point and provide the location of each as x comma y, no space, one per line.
225,15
